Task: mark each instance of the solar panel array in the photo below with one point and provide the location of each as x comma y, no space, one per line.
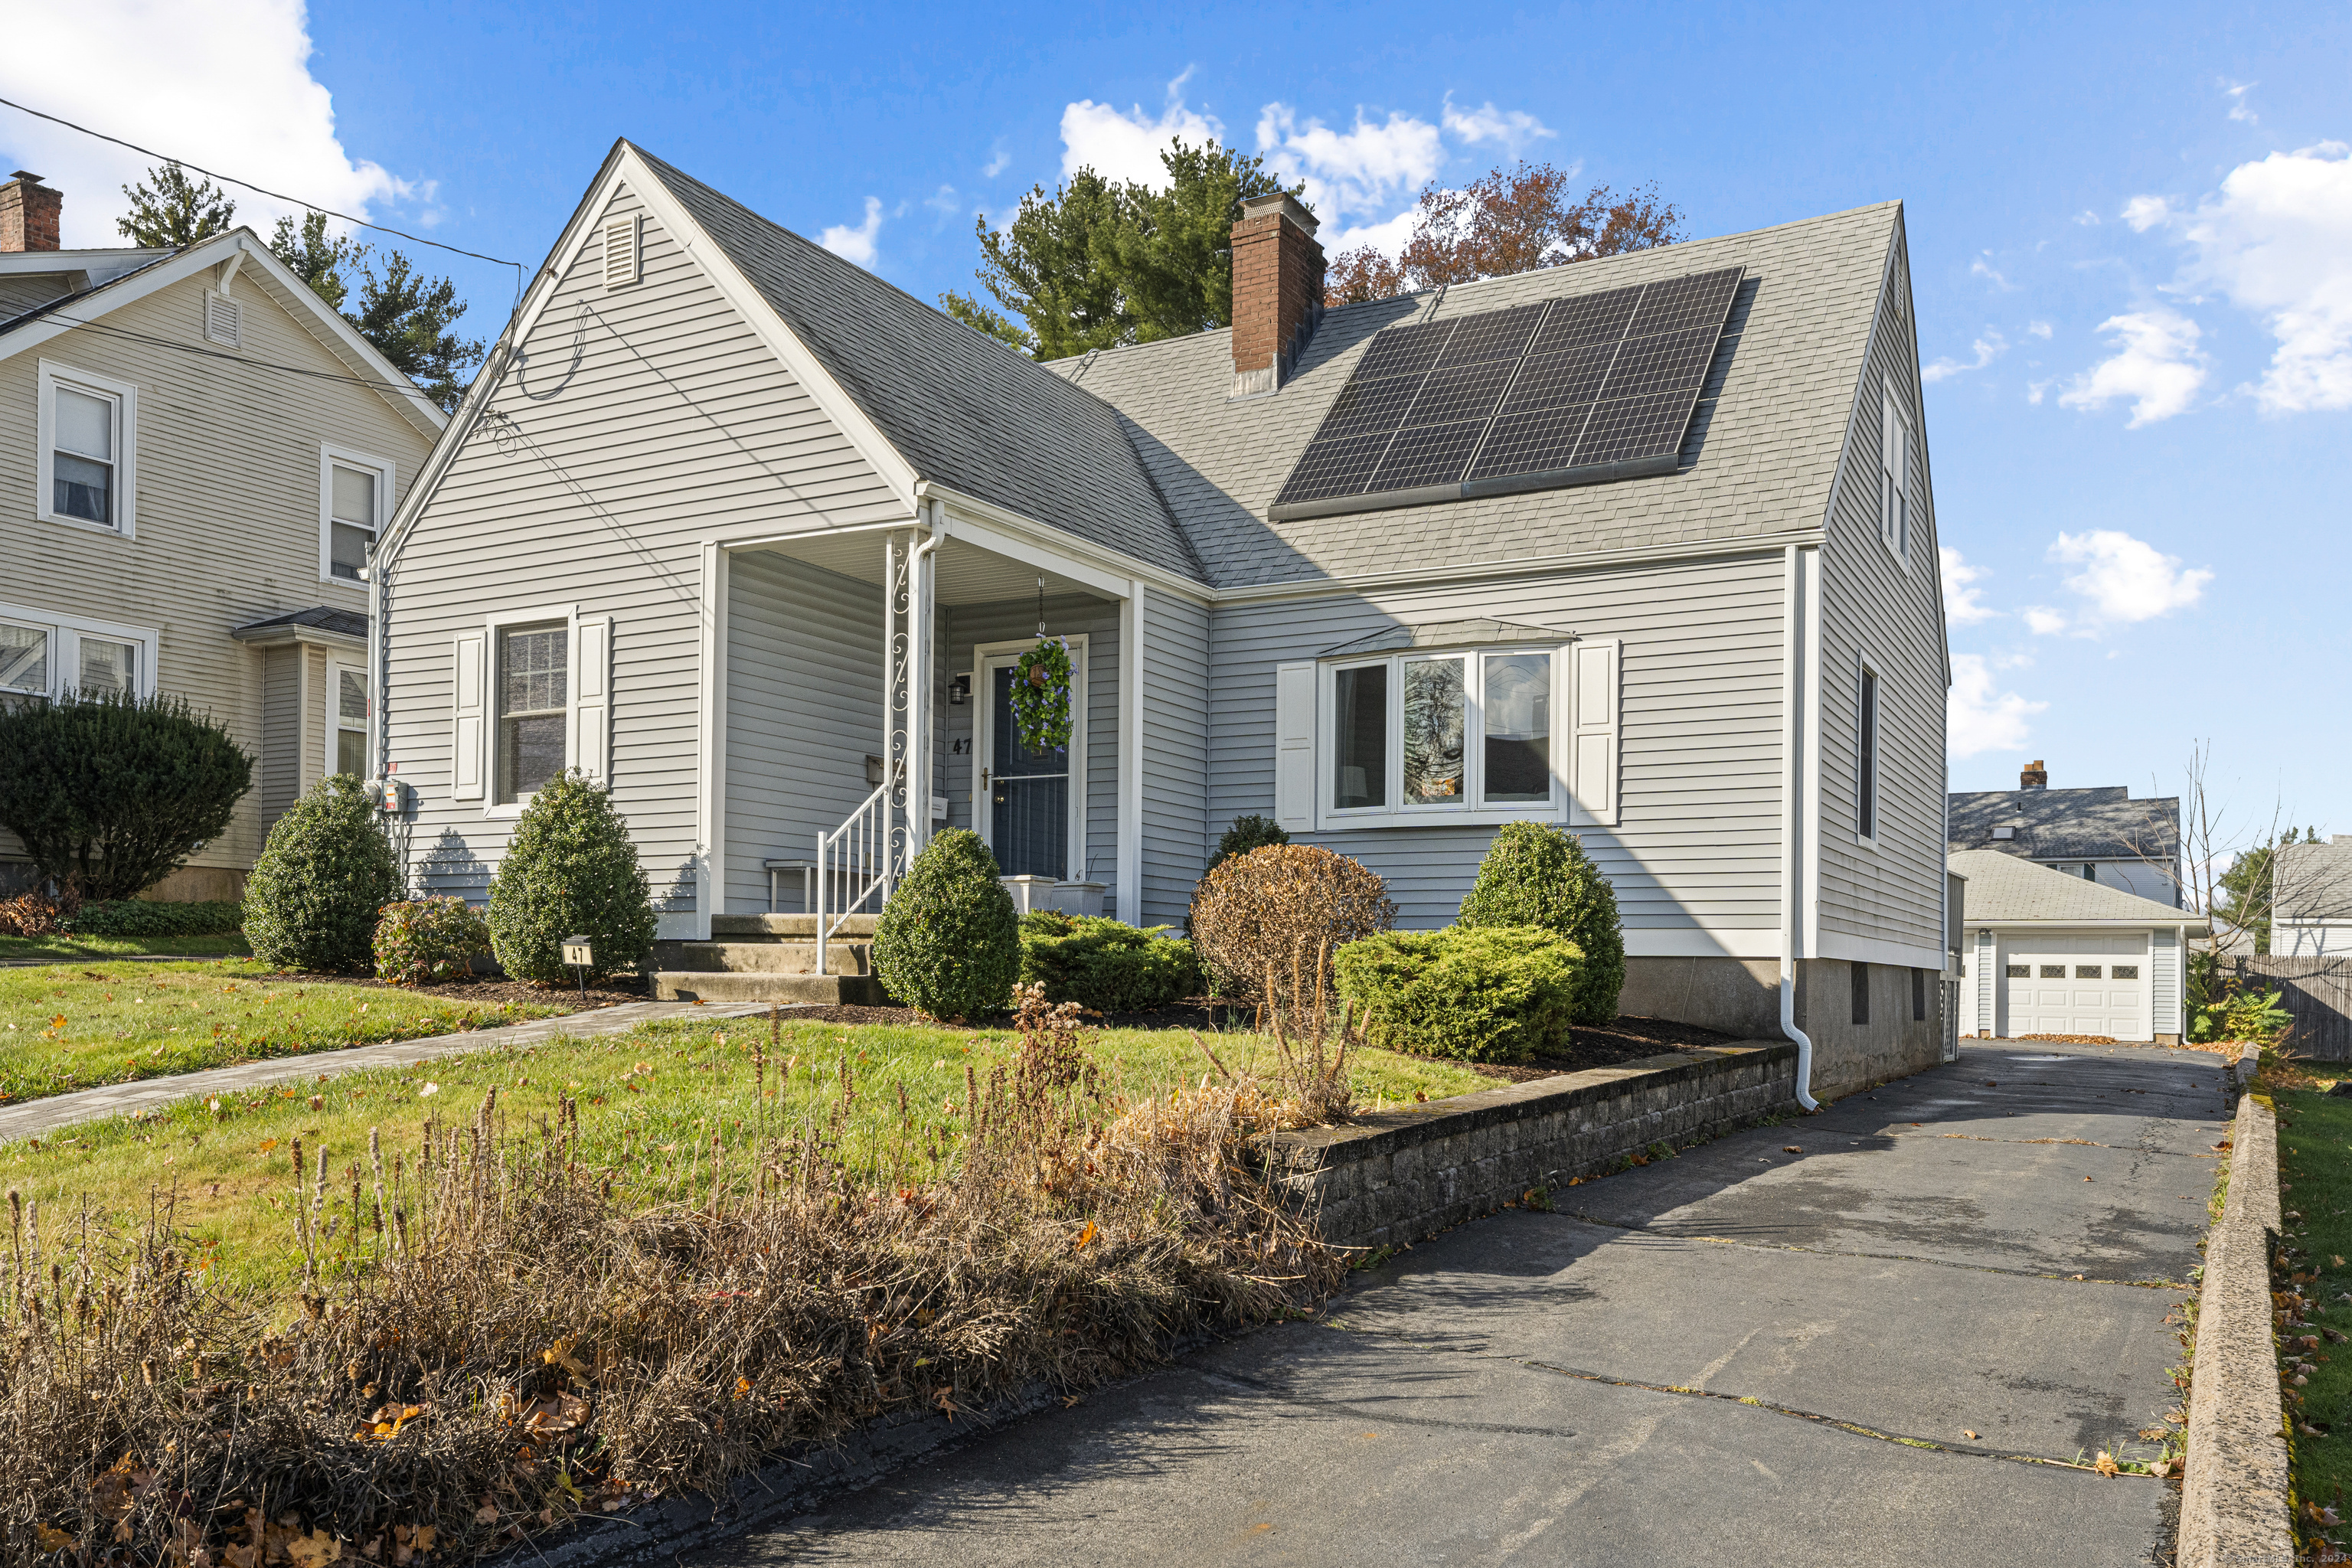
1596,386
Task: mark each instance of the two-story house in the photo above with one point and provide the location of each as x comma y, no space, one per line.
2101,834
196,453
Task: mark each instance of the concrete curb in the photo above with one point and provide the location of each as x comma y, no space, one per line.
2234,1501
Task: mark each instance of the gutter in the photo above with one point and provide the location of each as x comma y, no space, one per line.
1792,578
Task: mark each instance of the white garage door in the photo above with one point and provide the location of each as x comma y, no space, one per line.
2075,982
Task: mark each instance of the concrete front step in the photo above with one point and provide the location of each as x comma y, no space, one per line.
754,927
775,956
838,990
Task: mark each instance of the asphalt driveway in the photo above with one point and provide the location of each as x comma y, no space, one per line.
1855,1352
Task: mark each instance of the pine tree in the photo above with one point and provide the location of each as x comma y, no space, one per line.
168,210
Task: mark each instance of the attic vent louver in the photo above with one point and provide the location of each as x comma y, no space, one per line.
621,248
221,319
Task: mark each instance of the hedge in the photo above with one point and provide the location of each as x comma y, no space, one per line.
146,918
1105,965
1490,994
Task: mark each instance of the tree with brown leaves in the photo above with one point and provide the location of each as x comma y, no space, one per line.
1507,221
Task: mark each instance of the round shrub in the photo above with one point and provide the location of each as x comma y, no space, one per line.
428,940
1484,993
1537,875
1274,908
1246,834
569,870
948,943
1105,965
312,898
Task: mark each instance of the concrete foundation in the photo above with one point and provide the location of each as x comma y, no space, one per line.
1740,996
1892,1043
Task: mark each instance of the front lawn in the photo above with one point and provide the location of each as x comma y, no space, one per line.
70,1026
2314,1157
65,946
649,1105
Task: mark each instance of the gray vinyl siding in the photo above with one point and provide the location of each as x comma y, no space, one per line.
1177,831
803,712
2167,994
662,404
972,626
1877,608
227,504
278,781
1698,836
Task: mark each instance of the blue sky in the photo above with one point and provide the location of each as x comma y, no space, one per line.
2131,238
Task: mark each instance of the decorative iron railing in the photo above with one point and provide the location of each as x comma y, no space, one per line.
855,862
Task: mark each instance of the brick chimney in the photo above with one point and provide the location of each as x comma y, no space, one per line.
1277,291
28,213
2033,775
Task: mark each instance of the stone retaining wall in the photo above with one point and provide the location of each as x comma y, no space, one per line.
1399,1175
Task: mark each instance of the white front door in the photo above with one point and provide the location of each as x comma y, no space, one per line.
2074,982
1028,807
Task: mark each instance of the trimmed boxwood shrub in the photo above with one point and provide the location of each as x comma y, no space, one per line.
1484,993
428,941
571,870
149,917
1105,965
949,943
311,900
1277,907
1538,875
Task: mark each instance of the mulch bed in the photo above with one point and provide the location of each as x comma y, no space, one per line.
491,990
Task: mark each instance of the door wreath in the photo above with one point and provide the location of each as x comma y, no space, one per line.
1041,695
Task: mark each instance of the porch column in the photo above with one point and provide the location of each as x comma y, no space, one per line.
1130,755
922,595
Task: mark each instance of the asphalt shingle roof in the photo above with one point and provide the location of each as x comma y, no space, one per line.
2313,881
2003,888
2101,824
963,409
1761,456
325,617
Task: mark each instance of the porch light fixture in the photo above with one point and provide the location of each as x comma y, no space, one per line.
960,688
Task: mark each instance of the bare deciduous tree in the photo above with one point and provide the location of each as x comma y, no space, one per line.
1507,221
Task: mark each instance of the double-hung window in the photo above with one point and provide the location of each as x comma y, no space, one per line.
533,707
347,713
43,654
86,429
354,491
1895,479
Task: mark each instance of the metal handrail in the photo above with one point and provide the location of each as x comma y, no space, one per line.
848,858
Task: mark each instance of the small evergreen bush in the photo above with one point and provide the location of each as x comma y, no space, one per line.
1103,963
1246,834
149,917
312,898
1484,993
428,941
571,870
1277,907
948,943
1538,875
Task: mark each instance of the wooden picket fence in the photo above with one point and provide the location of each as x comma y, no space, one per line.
2317,991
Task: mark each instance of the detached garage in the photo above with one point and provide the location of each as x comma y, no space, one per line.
2047,953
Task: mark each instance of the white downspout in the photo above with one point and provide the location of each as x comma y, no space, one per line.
1792,896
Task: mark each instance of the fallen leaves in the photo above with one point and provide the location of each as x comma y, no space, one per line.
1086,1236
1791,1149
2106,1464
1968,1435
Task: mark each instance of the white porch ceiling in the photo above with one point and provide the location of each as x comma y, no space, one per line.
967,574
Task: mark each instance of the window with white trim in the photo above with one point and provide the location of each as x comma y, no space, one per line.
1895,479
45,655
533,695
354,493
1865,759
347,713
532,688
86,431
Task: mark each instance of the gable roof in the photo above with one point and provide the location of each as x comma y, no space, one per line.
2003,888
2313,881
963,410
1761,457
2100,824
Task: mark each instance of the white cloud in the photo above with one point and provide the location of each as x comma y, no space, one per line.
2277,241
2043,621
2087,218
1986,348
2157,364
998,161
1980,267
1125,148
2036,390
1978,718
855,242
943,201
1388,237
2143,213
1962,607
2239,107
1516,129
2038,329
1358,170
160,85
2126,579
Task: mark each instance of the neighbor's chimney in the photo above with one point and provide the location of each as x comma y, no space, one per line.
1277,291
2033,775
28,213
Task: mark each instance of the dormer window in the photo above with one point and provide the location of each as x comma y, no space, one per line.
2004,831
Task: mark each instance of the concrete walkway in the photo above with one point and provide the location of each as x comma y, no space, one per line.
1873,1350
35,1118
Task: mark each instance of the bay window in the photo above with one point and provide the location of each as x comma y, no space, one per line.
1468,733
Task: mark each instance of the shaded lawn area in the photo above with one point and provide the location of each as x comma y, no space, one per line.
70,1026
650,1104
2316,1182
66,946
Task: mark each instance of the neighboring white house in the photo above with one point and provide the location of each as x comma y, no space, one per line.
1643,547
2050,953
2100,834
195,454
2311,899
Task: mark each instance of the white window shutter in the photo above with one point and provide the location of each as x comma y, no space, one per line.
1592,772
467,711
592,697
1294,751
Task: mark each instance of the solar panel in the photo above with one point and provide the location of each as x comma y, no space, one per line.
1578,391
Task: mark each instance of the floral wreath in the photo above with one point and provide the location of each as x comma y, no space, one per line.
1041,695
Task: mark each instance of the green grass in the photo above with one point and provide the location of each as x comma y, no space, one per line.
649,1103
70,1026
2316,1181
67,948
